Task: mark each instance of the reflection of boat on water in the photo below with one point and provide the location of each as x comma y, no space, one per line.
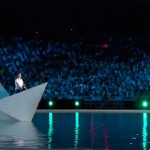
20,135
21,106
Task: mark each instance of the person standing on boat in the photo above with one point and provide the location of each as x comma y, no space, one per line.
19,84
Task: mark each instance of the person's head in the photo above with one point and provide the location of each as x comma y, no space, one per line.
19,75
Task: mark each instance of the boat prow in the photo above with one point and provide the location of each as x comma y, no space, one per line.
21,106
3,92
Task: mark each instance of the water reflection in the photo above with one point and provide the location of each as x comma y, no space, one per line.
92,131
50,131
106,139
145,133
19,135
76,140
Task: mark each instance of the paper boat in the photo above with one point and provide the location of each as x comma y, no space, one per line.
21,106
3,92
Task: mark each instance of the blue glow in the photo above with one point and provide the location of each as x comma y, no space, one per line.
50,131
76,140
145,104
145,133
77,103
50,103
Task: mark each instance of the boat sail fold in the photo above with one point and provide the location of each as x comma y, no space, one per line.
21,106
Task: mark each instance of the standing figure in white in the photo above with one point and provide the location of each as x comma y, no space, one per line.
19,84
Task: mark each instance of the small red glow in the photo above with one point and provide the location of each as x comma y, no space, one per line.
105,45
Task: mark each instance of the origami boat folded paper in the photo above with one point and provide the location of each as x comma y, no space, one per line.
21,106
3,92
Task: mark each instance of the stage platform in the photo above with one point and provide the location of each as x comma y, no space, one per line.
90,111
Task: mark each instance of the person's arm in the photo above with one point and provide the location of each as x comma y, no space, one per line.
24,86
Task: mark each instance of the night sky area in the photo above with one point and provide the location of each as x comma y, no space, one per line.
65,19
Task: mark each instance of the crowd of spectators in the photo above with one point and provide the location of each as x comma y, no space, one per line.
114,67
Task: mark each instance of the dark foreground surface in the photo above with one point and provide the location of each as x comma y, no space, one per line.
102,130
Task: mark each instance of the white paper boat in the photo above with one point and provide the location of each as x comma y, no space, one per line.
3,92
21,106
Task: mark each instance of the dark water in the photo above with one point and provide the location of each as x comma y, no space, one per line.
102,131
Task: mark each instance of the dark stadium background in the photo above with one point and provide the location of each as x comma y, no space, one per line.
74,19
88,21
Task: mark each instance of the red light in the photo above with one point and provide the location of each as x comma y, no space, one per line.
105,45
